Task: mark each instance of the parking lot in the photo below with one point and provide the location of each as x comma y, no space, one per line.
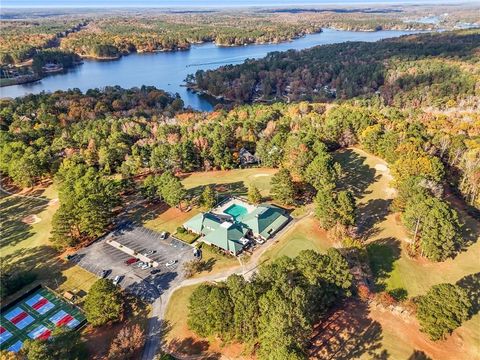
141,282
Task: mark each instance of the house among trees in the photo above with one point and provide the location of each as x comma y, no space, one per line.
246,157
234,224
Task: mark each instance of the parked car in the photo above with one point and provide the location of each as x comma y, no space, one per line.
70,256
163,235
150,252
117,279
155,271
131,261
105,273
140,264
145,266
171,262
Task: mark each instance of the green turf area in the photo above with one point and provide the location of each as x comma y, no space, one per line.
39,318
26,222
27,244
170,219
393,269
176,313
304,235
230,182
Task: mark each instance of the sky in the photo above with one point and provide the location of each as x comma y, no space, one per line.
204,3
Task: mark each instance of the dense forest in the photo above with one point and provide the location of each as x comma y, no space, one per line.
439,69
22,40
113,37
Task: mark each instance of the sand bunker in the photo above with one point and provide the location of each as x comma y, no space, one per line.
31,219
53,202
381,167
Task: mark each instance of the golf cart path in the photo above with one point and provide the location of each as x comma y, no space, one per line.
154,334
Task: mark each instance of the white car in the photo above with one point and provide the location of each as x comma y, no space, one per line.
140,264
171,262
145,266
117,280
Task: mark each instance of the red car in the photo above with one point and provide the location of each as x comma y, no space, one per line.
131,261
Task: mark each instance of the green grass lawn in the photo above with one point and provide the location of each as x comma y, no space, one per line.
230,182
176,313
304,235
218,262
386,245
26,224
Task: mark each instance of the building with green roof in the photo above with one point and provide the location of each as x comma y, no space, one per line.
203,223
228,236
265,220
231,225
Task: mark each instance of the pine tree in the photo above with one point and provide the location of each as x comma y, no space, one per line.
282,187
103,303
254,195
208,197
442,309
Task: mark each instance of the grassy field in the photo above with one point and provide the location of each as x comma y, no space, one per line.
230,182
26,224
217,262
304,235
170,220
176,312
386,246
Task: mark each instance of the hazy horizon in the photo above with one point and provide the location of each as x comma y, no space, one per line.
213,3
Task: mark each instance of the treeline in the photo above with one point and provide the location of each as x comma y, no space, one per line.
21,40
114,37
426,69
275,311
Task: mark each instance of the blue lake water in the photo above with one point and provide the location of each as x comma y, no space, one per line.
168,70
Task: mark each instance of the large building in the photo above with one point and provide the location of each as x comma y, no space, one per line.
234,224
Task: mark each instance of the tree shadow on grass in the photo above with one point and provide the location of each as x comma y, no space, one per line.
222,190
138,211
347,333
14,213
418,355
382,255
471,284
357,175
190,346
373,212
41,261
207,265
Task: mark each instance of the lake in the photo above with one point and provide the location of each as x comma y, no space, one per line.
168,70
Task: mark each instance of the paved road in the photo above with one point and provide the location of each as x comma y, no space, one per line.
155,339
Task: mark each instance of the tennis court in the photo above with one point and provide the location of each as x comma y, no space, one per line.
34,316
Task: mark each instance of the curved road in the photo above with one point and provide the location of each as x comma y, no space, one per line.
154,339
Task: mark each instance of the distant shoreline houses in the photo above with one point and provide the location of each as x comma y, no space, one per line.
235,224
